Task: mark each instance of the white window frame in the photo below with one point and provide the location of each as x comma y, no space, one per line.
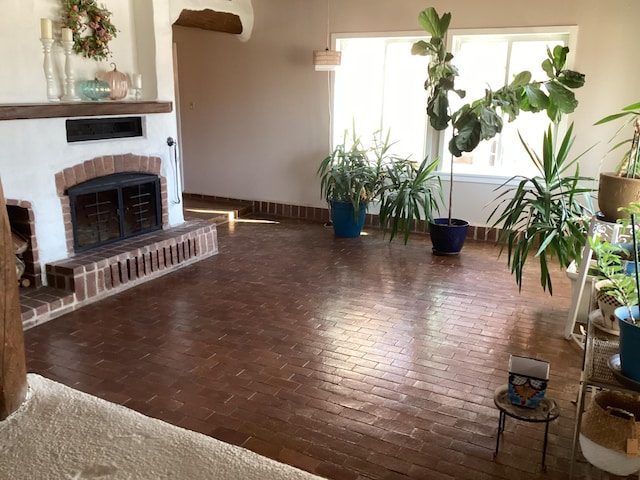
438,145
435,145
418,35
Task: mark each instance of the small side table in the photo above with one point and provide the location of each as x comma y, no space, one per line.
546,412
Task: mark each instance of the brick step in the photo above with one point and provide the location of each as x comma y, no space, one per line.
98,273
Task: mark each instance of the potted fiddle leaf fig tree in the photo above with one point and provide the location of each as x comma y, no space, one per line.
483,118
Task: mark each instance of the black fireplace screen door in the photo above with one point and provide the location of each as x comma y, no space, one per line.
114,207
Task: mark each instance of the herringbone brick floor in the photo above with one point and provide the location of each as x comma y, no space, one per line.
349,358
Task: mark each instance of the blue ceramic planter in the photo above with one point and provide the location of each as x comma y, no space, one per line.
345,223
629,343
448,239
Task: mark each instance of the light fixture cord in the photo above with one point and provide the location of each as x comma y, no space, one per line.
328,27
329,89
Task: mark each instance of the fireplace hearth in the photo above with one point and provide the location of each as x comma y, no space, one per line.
114,207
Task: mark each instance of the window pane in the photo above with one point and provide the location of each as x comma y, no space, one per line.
493,60
513,157
379,86
359,87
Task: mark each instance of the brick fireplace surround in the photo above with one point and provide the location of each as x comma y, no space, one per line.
89,276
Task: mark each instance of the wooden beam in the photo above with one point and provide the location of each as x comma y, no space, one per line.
211,20
80,109
13,371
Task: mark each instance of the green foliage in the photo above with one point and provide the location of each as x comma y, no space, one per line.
544,214
623,286
629,165
406,191
482,119
409,191
548,213
610,267
347,174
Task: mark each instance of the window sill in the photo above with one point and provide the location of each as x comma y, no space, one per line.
28,111
476,178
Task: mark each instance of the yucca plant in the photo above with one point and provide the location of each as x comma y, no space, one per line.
547,214
348,175
410,193
407,192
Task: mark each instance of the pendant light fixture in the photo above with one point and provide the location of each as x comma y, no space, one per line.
326,60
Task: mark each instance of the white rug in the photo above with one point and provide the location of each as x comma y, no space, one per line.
61,433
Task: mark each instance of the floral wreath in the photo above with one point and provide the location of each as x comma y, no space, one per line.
91,27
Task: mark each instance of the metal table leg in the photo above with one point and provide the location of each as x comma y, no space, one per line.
576,433
501,421
544,445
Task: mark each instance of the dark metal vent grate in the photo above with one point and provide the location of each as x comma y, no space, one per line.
85,129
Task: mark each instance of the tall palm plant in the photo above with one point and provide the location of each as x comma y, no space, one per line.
409,193
548,213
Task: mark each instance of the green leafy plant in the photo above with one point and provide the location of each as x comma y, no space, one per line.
544,215
547,214
482,119
348,175
406,191
623,283
409,193
609,258
628,166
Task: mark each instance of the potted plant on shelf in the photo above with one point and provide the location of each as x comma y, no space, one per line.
624,286
353,176
482,119
622,186
616,286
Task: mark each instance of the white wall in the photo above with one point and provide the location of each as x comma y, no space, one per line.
34,150
255,117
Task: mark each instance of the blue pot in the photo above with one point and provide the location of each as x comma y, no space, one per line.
345,223
448,239
629,343
628,266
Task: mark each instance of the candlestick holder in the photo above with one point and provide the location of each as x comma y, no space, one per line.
137,86
70,83
47,43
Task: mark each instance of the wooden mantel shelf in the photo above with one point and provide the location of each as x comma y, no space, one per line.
80,109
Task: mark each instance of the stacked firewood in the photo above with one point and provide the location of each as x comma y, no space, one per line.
19,247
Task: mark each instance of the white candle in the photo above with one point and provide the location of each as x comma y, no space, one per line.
137,80
67,35
46,30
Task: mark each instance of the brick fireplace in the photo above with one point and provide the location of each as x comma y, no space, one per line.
100,167
86,276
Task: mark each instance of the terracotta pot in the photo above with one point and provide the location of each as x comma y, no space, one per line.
614,192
